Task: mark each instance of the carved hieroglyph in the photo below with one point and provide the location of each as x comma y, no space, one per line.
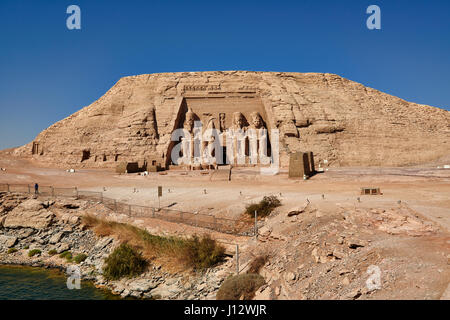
341,121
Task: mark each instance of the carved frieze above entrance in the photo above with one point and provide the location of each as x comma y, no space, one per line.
201,87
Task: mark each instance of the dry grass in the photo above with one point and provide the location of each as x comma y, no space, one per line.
195,252
257,263
264,207
240,287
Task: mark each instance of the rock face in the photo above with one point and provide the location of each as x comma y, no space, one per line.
341,121
7,241
29,214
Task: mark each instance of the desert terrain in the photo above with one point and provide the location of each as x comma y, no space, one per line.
319,243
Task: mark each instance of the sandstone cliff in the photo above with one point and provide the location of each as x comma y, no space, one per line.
341,121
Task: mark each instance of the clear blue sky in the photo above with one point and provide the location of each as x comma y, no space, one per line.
47,72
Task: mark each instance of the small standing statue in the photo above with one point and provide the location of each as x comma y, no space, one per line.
209,151
222,122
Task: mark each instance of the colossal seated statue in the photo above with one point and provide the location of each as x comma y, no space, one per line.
187,142
257,139
236,140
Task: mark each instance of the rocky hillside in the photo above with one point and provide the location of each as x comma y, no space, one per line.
334,251
341,121
52,227
320,251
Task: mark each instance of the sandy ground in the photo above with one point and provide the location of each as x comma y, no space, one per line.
425,189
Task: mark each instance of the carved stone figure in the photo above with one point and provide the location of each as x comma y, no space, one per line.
236,139
149,124
187,143
256,120
257,138
222,122
238,121
211,143
189,121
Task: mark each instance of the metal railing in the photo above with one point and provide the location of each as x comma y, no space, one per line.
224,225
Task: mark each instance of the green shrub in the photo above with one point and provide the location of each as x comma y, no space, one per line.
80,257
66,255
52,252
193,252
12,250
264,207
203,253
242,286
34,252
26,247
124,261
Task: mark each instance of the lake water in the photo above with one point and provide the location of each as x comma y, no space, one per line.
28,283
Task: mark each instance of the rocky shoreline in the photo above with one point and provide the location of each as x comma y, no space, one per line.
50,227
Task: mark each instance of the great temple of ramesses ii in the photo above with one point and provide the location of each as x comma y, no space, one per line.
340,121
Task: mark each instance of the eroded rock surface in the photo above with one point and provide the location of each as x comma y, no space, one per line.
341,121
29,214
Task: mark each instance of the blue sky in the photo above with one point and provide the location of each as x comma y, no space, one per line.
48,72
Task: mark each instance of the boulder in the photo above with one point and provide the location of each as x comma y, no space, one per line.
297,210
56,237
102,243
7,241
29,214
31,205
354,294
142,285
60,248
25,233
166,291
74,220
264,293
338,254
355,243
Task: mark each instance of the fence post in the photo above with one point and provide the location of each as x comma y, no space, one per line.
181,215
29,190
256,225
153,212
101,197
7,187
129,210
53,192
237,259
